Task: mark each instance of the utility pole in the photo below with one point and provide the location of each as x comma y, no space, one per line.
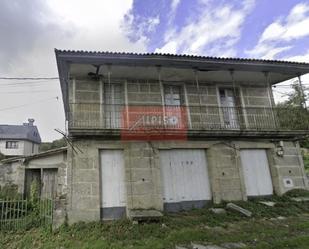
302,91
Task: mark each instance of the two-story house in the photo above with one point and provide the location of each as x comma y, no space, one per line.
157,132
19,140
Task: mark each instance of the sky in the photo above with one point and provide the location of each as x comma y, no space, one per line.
31,29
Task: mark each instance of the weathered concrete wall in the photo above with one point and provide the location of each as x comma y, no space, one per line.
144,190
143,176
12,173
53,161
288,170
225,171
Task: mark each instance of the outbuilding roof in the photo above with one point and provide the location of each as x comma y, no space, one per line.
38,155
22,132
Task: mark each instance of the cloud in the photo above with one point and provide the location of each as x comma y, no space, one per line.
22,23
300,58
31,29
174,5
212,30
293,27
277,36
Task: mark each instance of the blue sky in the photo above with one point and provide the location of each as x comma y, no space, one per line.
31,29
277,29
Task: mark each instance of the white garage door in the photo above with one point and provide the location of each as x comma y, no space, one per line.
256,172
113,184
185,175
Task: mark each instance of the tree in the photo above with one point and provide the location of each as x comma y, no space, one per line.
53,145
298,96
298,117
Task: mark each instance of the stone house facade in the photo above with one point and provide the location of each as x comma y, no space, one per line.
161,132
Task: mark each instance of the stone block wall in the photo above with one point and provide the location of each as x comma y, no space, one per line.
143,175
288,170
13,173
226,174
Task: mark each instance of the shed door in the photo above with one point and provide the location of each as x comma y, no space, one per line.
185,176
49,183
256,172
113,184
33,176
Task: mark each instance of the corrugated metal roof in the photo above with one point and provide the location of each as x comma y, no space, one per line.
23,132
38,155
184,56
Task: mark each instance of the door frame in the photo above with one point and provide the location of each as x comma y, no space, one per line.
188,204
242,174
229,86
100,150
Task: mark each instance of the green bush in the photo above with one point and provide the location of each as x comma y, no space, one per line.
297,193
9,191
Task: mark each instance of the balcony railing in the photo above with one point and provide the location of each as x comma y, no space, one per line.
103,116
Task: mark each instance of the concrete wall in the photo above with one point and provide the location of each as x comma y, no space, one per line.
288,170
143,176
25,148
12,173
52,161
142,164
141,173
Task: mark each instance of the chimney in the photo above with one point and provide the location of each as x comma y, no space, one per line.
30,122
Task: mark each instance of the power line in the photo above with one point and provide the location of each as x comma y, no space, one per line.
29,78
25,83
18,106
30,91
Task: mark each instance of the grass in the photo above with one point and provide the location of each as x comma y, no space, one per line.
262,231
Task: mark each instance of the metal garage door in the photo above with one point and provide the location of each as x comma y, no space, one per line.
256,172
113,199
185,178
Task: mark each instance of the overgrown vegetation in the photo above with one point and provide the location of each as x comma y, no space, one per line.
52,145
262,231
18,213
9,191
2,156
288,115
